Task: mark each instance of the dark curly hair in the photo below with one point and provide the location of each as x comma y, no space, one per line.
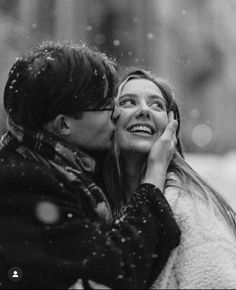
56,78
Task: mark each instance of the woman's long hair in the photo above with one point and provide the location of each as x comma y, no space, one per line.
189,178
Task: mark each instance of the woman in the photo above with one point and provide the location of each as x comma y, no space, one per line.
206,256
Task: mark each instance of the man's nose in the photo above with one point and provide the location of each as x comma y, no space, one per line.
116,114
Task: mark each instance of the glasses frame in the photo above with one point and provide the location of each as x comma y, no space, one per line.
101,109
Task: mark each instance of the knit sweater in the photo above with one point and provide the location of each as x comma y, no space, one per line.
206,256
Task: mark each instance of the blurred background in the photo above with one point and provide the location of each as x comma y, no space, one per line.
191,43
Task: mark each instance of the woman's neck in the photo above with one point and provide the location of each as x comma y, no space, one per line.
133,164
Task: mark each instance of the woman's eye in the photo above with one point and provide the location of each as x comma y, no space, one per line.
126,102
157,105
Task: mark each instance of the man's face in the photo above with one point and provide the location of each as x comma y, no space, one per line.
93,131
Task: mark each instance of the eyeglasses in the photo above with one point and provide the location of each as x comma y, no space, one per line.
111,109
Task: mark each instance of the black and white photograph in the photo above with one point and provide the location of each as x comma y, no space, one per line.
117,144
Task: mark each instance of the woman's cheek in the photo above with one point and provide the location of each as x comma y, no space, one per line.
125,115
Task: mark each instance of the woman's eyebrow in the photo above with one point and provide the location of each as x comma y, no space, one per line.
128,95
150,97
157,97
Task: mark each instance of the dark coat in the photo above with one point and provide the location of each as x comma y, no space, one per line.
54,253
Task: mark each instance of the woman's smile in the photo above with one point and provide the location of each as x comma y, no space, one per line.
142,129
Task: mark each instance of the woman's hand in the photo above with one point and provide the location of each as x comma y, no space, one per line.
161,154
93,285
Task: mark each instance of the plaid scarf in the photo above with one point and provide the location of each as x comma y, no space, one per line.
77,166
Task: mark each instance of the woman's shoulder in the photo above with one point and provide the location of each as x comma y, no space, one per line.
186,198
197,215
182,205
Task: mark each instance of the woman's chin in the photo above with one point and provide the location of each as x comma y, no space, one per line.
139,147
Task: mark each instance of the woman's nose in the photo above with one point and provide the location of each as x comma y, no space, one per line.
143,113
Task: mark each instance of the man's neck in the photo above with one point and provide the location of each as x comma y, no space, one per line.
99,157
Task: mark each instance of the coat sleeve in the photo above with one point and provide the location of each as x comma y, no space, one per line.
46,233
207,252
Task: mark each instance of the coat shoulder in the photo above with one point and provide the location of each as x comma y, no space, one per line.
18,174
14,167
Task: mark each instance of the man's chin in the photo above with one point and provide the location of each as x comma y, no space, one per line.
102,147
96,149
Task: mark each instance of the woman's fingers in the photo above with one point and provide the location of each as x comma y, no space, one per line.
161,154
168,137
164,147
92,284
170,131
77,285
170,116
95,285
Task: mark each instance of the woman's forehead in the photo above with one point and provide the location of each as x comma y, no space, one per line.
139,86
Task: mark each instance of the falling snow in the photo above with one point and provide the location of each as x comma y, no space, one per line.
116,42
47,212
150,36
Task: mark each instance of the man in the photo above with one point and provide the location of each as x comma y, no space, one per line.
56,224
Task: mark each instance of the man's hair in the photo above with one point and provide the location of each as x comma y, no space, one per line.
57,79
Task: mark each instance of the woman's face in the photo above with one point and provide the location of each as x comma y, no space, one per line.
143,115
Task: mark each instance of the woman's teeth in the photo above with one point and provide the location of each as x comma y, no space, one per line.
142,129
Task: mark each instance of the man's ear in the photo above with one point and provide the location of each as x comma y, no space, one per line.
61,125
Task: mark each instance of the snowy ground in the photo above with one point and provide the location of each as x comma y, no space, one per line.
220,171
